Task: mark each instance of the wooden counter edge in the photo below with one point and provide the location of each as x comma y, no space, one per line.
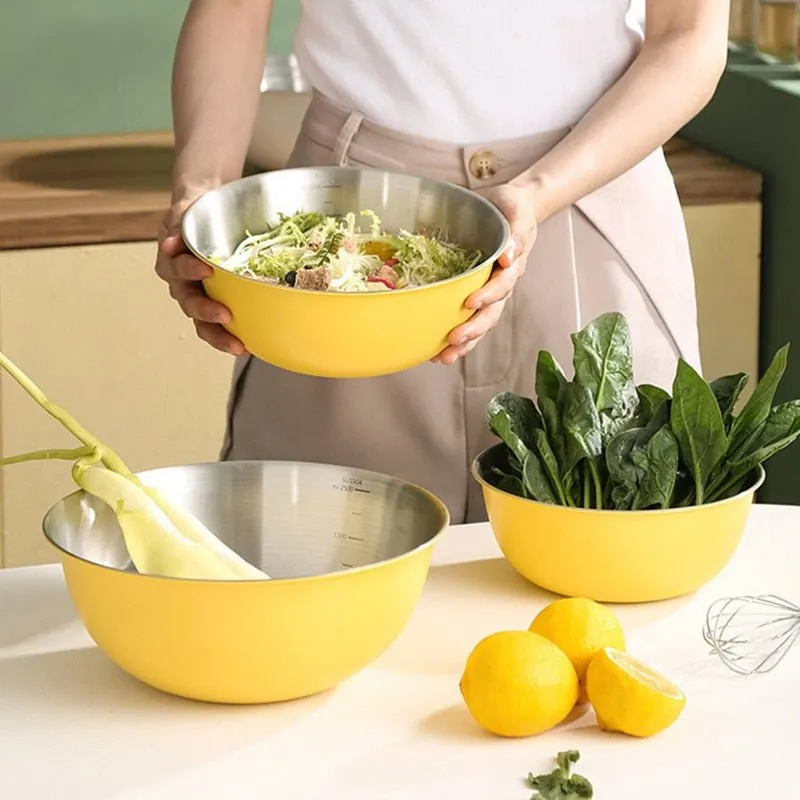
111,206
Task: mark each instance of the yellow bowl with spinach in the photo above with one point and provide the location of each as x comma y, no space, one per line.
614,556
620,492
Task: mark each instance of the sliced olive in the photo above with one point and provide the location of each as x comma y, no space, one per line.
290,277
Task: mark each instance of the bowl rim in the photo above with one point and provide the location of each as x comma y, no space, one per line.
254,178
476,470
436,502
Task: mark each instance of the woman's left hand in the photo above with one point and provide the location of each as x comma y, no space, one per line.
518,206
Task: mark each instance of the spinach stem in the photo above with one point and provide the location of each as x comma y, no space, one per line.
714,484
718,494
698,490
587,490
598,485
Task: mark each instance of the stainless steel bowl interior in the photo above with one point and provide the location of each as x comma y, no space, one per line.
216,223
290,519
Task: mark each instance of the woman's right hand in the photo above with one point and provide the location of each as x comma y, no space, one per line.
184,274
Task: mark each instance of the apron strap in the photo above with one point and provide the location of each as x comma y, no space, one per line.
345,137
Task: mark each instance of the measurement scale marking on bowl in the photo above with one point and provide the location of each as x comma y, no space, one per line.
351,485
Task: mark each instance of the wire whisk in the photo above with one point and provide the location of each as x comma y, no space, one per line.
752,634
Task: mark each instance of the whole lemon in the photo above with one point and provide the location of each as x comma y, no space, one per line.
629,697
517,683
580,627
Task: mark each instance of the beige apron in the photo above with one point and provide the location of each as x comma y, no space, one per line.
622,248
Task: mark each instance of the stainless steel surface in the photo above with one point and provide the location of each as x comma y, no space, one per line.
752,634
282,74
219,220
290,519
285,96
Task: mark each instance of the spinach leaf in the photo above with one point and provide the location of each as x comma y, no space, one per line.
658,419
573,488
550,416
697,424
624,473
513,419
684,489
727,390
783,422
508,483
555,431
537,486
581,424
780,429
622,495
657,465
759,404
549,378
651,398
550,464
603,359
603,362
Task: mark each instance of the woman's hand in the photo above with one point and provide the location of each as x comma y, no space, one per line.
517,203
184,274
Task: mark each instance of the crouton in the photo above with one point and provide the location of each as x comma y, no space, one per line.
316,279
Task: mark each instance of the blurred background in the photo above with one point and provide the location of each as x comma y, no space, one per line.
97,66
85,158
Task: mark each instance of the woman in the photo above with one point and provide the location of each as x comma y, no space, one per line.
555,111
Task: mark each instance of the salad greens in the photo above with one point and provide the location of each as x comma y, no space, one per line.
600,441
560,784
315,251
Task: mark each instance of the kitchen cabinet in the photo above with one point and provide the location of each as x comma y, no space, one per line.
725,240
82,313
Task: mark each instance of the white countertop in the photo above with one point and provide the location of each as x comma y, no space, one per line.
73,726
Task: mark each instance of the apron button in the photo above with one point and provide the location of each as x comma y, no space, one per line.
483,165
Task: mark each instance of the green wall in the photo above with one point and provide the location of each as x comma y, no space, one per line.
72,67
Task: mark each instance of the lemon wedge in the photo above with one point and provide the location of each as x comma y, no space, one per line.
630,697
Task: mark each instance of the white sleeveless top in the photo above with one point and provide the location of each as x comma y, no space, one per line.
467,71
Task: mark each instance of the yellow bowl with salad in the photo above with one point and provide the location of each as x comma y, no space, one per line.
344,272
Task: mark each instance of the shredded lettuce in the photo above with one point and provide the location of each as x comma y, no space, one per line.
306,240
428,259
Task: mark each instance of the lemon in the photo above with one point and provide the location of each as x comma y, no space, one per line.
629,697
581,628
517,683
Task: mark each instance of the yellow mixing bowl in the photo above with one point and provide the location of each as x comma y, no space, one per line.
614,556
343,334
347,550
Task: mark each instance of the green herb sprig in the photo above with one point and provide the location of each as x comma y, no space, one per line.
561,784
600,441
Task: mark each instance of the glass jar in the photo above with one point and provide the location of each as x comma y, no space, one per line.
743,24
778,29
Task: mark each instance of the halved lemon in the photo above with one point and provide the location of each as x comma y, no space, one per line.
630,697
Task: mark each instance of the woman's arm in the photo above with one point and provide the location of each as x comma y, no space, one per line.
219,61
218,65
673,77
